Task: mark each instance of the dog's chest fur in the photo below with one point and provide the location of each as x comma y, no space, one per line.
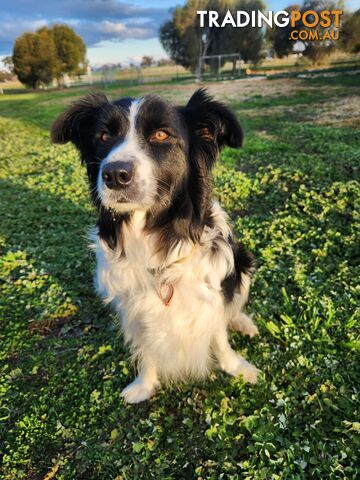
179,335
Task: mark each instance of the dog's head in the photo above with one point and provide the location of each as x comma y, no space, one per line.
147,154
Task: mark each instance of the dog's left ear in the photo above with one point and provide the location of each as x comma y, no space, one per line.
212,123
75,123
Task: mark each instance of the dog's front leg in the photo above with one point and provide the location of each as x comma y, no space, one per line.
229,360
144,385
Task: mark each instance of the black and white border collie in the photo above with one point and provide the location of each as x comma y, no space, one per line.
166,256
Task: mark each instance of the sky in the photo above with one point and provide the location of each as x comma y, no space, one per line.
115,31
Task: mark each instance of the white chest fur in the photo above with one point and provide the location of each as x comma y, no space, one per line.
177,336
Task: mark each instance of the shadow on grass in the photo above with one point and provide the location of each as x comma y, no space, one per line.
48,265
47,279
46,273
50,229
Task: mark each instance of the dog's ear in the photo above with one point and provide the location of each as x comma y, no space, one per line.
212,124
77,121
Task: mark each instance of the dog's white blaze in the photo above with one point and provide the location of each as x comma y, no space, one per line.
130,143
130,150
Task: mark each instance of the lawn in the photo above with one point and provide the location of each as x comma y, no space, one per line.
293,196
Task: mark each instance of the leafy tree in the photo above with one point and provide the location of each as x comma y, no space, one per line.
247,41
35,58
171,41
314,50
350,33
147,61
48,53
185,41
279,37
71,50
165,61
186,24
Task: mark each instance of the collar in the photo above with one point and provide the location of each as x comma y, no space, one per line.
164,289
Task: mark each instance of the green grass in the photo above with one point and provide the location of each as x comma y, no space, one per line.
293,197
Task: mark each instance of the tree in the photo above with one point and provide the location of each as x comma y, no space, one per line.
71,50
147,61
48,53
164,62
314,50
280,36
185,41
35,58
180,39
247,41
171,41
350,33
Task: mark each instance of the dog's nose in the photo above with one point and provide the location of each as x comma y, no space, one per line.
118,175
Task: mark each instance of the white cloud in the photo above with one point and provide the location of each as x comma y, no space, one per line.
118,30
13,29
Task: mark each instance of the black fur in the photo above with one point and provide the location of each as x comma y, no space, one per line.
244,265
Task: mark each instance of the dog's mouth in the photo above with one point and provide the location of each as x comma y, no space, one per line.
129,199
121,198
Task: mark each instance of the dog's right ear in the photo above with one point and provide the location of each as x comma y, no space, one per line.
77,121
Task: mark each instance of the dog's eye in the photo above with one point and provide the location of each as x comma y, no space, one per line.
105,137
159,136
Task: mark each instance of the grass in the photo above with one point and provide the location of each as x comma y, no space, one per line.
293,197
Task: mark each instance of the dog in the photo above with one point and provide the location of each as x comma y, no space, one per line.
166,256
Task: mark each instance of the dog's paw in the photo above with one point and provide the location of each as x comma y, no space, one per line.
137,392
250,329
245,325
239,366
250,373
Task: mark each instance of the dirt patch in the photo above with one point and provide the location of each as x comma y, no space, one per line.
341,113
235,90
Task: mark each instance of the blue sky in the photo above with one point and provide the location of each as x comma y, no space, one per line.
113,30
